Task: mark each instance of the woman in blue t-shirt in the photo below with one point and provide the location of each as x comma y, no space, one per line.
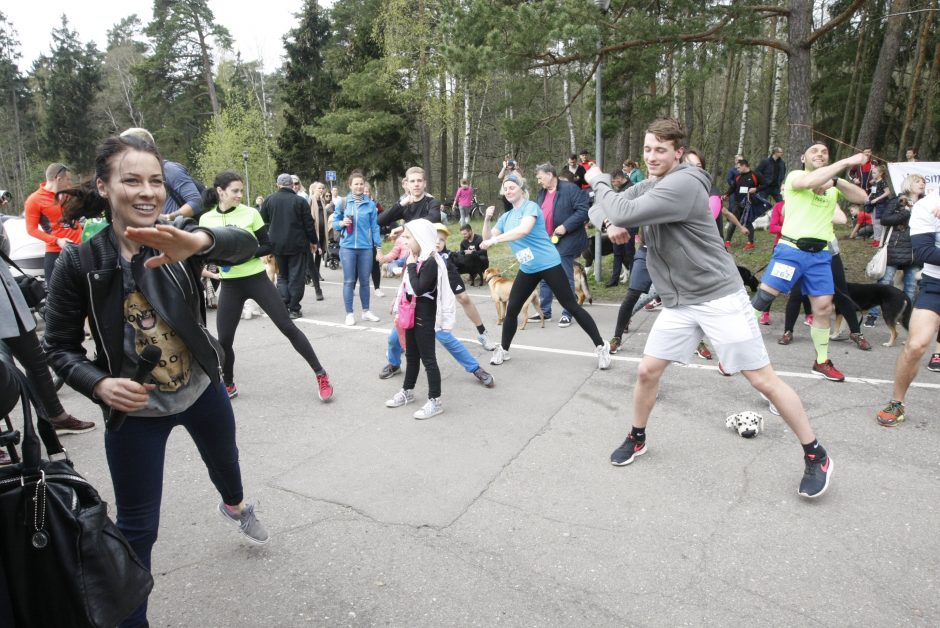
523,226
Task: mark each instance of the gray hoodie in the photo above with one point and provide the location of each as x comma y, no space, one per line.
687,259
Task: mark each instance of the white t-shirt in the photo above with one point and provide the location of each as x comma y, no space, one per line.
923,221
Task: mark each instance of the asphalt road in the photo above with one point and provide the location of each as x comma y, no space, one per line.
504,510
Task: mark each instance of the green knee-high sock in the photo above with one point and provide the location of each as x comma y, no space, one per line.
821,342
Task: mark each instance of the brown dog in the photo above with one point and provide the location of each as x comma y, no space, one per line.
581,289
270,267
500,287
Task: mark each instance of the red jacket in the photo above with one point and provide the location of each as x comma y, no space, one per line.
44,220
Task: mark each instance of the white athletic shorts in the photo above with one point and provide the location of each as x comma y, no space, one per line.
729,324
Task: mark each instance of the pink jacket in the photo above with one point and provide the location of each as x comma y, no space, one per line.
397,251
463,197
776,220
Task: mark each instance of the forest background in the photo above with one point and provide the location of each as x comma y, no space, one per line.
457,85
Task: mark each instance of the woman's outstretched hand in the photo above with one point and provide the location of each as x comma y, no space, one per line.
174,244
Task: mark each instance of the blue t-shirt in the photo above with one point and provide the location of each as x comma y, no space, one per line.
535,252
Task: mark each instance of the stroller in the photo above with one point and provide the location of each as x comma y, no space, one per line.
332,255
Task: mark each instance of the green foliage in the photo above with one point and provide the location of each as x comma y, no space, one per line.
68,85
238,129
175,83
17,127
306,89
369,129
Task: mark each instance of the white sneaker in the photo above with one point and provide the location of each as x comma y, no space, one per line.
432,408
500,355
378,292
773,408
369,316
401,398
603,356
485,342
350,320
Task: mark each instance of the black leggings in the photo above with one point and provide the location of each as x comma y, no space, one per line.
313,268
557,281
376,270
419,349
231,301
28,351
625,313
841,301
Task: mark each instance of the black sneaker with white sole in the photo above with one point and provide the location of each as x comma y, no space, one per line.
816,476
628,451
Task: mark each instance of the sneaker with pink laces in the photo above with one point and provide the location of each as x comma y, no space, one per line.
325,388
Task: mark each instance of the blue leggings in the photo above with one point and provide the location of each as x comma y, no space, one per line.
357,265
447,339
135,458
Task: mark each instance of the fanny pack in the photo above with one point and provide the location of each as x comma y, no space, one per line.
810,245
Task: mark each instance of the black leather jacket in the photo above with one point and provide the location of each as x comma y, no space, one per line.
897,218
174,290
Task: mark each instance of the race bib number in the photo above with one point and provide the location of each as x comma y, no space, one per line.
782,271
743,189
525,255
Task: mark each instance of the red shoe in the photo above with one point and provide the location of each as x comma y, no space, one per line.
765,318
749,246
703,352
231,390
874,243
827,370
325,387
727,244
809,320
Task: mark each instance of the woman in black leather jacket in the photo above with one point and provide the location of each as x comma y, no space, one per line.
137,282
896,217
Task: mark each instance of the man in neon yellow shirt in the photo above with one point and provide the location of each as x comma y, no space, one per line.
802,256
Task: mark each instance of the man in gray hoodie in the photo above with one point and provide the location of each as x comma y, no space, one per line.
701,290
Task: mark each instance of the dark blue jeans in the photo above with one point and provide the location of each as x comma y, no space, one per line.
135,459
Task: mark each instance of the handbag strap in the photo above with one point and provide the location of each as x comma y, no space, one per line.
884,240
12,263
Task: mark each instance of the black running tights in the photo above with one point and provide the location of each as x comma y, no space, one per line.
231,301
557,281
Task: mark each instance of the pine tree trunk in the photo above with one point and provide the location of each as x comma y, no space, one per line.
426,152
207,68
466,132
929,97
915,83
874,110
568,118
799,71
723,119
442,93
745,104
855,85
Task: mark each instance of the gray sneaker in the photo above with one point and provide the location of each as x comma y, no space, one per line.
603,356
485,342
389,370
485,378
432,408
401,398
773,408
500,355
247,523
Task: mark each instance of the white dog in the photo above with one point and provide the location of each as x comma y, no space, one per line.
747,424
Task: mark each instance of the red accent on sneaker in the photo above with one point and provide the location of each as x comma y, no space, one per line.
825,467
749,246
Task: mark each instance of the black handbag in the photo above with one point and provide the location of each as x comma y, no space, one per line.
33,290
65,562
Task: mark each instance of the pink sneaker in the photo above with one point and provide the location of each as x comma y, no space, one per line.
325,387
765,318
809,320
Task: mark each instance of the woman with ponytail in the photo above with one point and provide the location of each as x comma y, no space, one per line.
137,284
249,281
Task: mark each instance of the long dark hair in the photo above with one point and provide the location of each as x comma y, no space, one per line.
83,200
210,198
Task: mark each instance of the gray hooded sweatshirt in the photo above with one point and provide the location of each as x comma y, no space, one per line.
687,259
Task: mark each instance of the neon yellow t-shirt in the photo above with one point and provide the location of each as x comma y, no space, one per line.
246,218
808,215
